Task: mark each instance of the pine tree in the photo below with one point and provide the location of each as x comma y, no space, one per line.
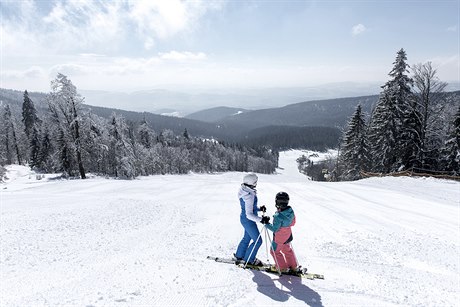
29,114
145,134
185,134
7,153
45,162
382,135
451,150
406,114
34,139
410,137
393,129
354,154
10,138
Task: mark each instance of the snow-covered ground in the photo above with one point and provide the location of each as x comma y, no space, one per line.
103,242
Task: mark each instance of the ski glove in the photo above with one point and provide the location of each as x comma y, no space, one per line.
265,220
263,209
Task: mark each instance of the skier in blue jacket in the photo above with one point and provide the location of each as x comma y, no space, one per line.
247,195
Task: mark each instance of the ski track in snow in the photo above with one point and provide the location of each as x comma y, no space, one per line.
104,242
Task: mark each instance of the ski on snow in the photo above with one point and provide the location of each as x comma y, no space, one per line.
268,268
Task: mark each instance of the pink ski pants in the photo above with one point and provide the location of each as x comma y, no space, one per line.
284,256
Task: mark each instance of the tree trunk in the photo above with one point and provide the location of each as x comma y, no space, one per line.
77,143
16,146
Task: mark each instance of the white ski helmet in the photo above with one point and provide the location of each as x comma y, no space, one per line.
250,179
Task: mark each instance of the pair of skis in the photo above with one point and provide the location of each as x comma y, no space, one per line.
269,269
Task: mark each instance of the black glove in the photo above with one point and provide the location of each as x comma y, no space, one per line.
265,220
263,209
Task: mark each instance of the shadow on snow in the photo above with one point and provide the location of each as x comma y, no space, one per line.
290,287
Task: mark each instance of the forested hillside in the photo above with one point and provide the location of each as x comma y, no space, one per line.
237,130
71,139
325,113
286,137
215,114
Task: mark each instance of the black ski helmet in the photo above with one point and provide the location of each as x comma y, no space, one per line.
282,200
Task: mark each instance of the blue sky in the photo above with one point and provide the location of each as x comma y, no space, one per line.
129,45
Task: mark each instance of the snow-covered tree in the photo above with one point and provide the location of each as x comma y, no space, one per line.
64,103
45,156
450,157
10,140
410,136
354,149
382,135
393,126
96,144
400,89
185,134
29,114
145,134
34,139
430,99
120,154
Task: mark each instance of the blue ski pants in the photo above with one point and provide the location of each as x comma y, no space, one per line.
251,232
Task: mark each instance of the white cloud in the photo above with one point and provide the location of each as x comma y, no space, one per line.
70,69
447,67
97,67
159,19
91,55
109,73
182,56
56,16
84,25
452,60
68,26
149,43
452,29
358,29
33,72
88,26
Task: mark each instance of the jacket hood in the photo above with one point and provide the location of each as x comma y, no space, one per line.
247,189
288,213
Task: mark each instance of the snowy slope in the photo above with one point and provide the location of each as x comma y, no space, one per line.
100,242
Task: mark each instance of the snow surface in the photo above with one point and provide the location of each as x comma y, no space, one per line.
105,242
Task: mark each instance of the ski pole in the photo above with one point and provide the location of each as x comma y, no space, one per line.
255,243
267,237
274,256
266,240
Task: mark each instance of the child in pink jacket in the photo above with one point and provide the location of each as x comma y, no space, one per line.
283,220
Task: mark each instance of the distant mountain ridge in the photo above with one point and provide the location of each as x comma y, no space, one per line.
216,114
326,113
187,100
230,125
